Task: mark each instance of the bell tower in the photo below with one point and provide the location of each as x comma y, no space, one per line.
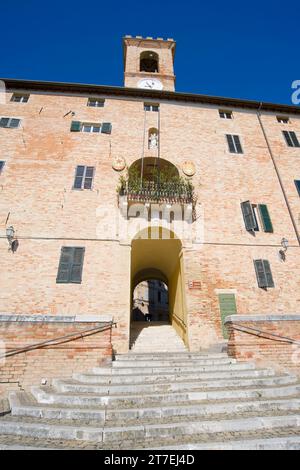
149,63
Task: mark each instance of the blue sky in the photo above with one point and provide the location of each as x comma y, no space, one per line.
235,49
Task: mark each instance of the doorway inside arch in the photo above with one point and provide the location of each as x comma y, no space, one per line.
157,270
151,301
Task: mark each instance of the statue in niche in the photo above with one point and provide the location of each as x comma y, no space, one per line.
153,140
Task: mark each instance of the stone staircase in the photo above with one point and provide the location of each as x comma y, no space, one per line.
154,336
159,401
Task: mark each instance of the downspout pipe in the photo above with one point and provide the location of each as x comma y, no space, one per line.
277,173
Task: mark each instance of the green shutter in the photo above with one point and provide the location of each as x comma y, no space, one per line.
265,218
230,143
106,128
65,264
4,122
227,306
260,273
75,126
268,273
76,270
249,217
70,265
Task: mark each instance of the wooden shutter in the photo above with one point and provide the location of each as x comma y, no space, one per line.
297,183
288,138
227,306
75,126
230,143
2,163
4,122
260,273
106,128
80,169
263,273
294,139
249,216
238,144
70,265
77,264
265,218
65,264
268,273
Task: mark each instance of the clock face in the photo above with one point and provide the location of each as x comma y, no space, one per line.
150,84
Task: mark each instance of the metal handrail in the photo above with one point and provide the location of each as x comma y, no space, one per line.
68,337
260,333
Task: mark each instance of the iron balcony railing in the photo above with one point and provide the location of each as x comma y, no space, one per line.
148,191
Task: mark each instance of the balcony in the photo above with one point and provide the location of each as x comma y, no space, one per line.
178,191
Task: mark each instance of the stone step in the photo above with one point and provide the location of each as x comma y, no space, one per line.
143,433
77,387
275,443
152,378
185,355
48,396
22,405
174,369
170,363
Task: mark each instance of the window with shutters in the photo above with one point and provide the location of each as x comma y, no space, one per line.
84,177
9,122
234,143
249,212
19,98
70,265
104,128
297,184
151,107
283,119
2,163
225,114
96,102
263,273
291,138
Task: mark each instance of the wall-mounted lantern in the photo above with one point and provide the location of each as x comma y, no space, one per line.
10,235
285,244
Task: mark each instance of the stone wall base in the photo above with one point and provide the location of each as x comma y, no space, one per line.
61,359
264,339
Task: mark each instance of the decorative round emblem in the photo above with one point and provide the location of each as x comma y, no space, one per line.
188,168
118,163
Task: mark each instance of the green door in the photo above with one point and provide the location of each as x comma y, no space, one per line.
227,307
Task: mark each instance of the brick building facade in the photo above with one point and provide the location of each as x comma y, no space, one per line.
81,249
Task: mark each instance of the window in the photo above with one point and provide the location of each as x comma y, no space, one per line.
225,114
96,102
159,297
70,265
291,138
9,122
91,127
84,177
297,184
263,273
234,143
18,98
151,107
104,128
251,220
283,119
2,163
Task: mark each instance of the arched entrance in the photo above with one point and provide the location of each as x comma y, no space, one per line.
157,255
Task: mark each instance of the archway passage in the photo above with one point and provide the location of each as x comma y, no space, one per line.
159,257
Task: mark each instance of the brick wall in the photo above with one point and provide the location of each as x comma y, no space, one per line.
75,354
266,350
